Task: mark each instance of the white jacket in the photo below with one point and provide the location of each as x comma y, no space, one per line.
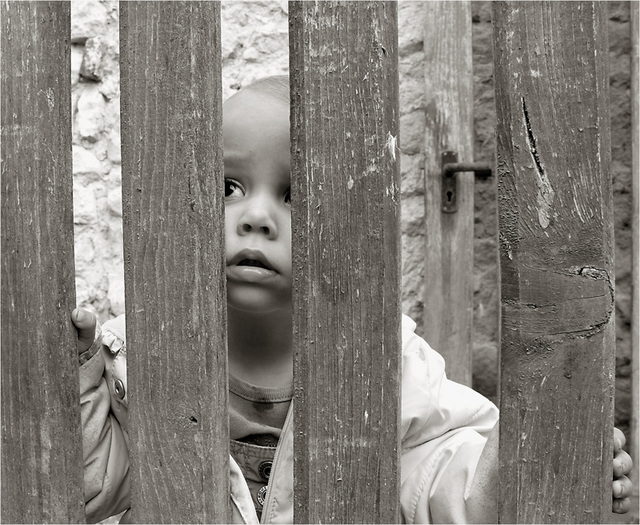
444,427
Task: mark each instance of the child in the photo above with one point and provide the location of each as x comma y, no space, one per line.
449,442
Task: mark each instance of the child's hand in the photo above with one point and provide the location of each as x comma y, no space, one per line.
85,323
622,464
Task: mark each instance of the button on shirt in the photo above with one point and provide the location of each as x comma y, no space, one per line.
256,418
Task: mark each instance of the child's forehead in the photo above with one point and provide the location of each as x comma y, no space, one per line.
254,119
255,127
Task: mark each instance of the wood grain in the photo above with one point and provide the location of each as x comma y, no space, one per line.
41,438
448,284
556,247
174,260
634,445
345,189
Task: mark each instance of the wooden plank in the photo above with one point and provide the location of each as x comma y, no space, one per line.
346,235
556,246
41,438
173,214
448,294
634,446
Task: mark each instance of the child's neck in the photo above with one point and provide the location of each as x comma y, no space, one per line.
260,350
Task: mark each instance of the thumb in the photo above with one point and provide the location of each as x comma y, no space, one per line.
85,323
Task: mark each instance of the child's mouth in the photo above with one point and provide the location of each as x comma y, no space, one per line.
250,266
253,262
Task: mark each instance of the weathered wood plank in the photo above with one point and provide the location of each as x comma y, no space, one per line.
556,245
346,260
634,445
41,439
448,293
174,260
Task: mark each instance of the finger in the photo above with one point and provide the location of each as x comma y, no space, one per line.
622,464
622,488
85,323
619,439
621,506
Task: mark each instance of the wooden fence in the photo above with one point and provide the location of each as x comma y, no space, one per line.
41,438
556,254
635,236
554,193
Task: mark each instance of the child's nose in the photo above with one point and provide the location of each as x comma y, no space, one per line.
257,219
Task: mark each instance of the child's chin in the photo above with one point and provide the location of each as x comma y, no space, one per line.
255,301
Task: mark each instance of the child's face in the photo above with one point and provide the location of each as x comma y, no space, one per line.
257,202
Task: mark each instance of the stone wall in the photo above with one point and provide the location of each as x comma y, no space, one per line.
254,44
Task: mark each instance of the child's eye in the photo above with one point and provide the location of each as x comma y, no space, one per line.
287,196
232,189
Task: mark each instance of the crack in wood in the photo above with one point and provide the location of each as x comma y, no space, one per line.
584,310
531,140
545,191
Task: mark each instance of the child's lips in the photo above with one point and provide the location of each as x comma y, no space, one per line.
253,262
250,266
249,273
252,258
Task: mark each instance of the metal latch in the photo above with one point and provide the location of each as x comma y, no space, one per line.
450,167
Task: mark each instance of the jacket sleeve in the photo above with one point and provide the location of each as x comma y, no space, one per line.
444,429
106,456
